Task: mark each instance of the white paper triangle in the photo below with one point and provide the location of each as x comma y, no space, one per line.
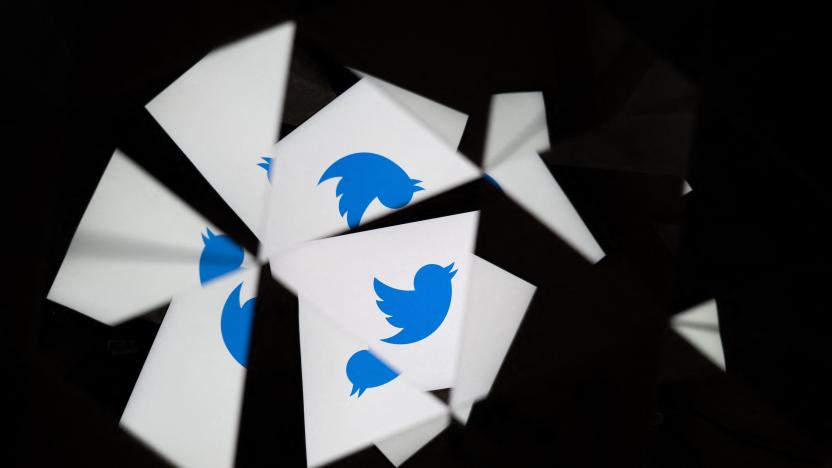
137,245
404,445
187,400
526,180
363,119
446,122
497,303
516,125
700,327
225,113
337,424
337,275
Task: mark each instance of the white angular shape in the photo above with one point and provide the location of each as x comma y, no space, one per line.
225,112
686,188
516,125
337,275
362,119
526,179
337,424
137,245
497,303
186,403
462,411
699,325
446,122
404,445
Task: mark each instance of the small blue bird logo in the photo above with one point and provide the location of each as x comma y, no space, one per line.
418,312
365,177
220,255
267,166
235,325
365,370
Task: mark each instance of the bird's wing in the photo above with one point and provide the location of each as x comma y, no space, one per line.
354,188
353,203
395,303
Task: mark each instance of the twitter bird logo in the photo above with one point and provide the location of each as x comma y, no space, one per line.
418,312
235,325
220,255
365,371
365,177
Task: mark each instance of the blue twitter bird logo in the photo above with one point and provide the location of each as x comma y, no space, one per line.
418,312
220,255
365,177
365,371
235,325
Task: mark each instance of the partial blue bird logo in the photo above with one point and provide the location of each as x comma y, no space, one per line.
420,311
267,166
235,325
220,255
365,177
365,371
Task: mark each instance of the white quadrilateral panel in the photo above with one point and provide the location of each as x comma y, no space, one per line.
370,283
136,246
359,158
338,420
187,400
225,112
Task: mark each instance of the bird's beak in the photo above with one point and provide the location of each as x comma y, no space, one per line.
448,269
414,182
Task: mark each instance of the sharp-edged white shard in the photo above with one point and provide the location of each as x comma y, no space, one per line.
497,303
359,158
517,132
446,122
400,447
225,112
136,246
338,420
700,327
187,400
527,181
340,275
516,125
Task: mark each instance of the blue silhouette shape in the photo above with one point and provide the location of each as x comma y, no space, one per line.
365,371
220,255
235,325
492,181
418,312
267,165
365,177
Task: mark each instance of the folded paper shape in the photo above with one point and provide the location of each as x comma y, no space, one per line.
497,303
357,159
401,290
186,402
700,327
337,420
136,246
224,113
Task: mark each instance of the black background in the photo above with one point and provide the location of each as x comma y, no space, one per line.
639,95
